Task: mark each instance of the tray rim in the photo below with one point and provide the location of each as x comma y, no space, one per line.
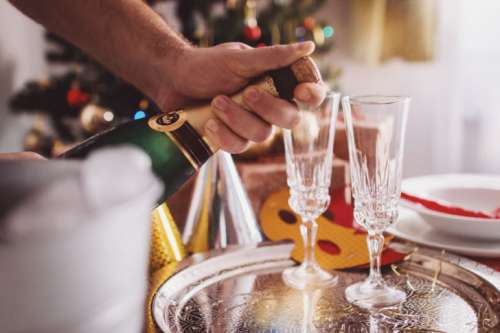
283,249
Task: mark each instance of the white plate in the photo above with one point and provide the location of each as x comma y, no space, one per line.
475,192
412,227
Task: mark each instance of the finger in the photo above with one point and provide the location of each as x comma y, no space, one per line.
224,138
311,94
25,155
234,46
240,121
272,109
252,62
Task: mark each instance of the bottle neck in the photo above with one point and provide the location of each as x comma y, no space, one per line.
186,128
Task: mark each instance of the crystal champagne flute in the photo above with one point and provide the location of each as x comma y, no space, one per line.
309,155
375,134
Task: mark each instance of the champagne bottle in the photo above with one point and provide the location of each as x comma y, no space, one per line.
176,141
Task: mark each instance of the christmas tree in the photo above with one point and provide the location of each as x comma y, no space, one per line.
86,98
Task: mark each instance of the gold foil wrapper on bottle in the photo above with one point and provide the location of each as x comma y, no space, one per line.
166,242
167,249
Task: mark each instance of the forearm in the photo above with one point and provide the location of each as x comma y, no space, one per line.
126,36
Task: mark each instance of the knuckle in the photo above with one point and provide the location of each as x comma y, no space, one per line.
292,120
263,134
241,46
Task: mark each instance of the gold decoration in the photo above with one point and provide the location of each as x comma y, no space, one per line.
250,13
144,104
166,251
38,140
60,147
319,36
94,118
166,242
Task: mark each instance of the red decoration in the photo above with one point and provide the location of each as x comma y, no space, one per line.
77,98
309,23
448,209
261,45
252,32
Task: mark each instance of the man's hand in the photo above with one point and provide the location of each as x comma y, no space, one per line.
202,73
135,43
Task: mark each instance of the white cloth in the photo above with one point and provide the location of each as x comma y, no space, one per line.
75,243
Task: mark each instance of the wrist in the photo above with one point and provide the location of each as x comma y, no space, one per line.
167,71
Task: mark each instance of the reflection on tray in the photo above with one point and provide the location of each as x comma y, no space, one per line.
242,291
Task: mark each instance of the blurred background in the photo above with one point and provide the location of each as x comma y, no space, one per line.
444,54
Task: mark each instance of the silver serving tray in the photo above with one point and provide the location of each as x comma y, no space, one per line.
241,290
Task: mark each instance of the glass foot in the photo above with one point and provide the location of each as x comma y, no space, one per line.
368,295
308,277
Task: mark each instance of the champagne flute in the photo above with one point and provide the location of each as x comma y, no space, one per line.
375,132
309,155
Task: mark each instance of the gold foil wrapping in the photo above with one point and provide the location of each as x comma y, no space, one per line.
166,251
166,242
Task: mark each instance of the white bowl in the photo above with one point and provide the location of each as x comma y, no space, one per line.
474,192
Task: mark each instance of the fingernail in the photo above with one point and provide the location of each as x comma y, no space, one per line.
252,94
212,125
304,95
219,103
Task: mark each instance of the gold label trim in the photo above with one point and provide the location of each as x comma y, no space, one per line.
167,122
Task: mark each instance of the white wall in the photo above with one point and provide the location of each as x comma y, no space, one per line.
21,59
454,125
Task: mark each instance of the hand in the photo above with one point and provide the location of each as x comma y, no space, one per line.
25,155
201,73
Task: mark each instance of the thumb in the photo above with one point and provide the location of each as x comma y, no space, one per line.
252,62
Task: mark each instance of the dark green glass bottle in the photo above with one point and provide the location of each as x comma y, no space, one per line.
176,142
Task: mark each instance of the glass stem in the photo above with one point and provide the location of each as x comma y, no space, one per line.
375,247
309,229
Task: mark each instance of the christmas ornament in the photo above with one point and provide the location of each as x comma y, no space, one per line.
319,36
94,118
251,31
76,97
309,23
220,213
60,147
38,141
144,104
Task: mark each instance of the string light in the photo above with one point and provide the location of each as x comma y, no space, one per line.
139,115
328,31
108,116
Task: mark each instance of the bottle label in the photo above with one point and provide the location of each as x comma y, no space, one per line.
185,137
167,122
